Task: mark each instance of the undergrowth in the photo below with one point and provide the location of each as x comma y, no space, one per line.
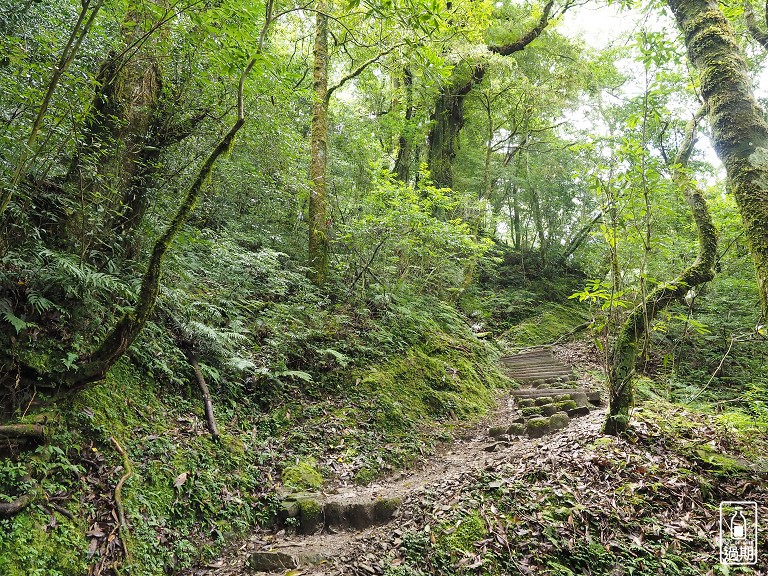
643,506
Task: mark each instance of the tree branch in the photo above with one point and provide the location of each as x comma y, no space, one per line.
750,20
360,69
529,36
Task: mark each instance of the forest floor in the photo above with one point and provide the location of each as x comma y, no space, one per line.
572,500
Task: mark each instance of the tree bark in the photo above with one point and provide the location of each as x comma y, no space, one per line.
405,142
623,354
319,242
447,122
739,131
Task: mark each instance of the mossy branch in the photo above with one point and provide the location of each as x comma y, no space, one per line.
22,432
757,33
624,351
8,509
528,37
132,322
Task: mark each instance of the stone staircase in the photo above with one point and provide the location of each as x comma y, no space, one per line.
549,397
318,527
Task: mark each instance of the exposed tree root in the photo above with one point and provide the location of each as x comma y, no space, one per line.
22,431
12,508
123,525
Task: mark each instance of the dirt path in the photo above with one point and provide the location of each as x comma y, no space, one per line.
346,523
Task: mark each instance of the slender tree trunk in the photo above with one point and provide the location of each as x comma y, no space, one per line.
624,351
739,131
319,244
79,32
516,229
132,322
405,142
207,402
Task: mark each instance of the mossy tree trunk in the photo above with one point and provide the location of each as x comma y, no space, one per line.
623,353
739,130
319,245
405,142
112,165
132,322
447,122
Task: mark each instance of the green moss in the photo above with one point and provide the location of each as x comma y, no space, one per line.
310,515
558,421
531,410
566,405
537,427
553,321
303,475
721,462
30,547
463,538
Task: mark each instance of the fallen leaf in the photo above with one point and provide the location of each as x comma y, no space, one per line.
180,479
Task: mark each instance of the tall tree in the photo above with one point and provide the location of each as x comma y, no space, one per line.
318,252
624,352
739,129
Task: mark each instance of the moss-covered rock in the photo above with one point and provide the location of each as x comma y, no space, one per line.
544,400
565,405
558,421
303,475
516,429
549,409
311,517
526,402
537,427
385,508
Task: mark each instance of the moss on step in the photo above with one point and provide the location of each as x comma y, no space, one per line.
303,475
516,429
543,400
549,409
531,411
558,421
537,427
565,405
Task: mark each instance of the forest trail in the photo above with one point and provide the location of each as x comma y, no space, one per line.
341,529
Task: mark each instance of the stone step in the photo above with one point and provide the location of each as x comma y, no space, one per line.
534,381
311,514
536,375
548,368
593,396
512,361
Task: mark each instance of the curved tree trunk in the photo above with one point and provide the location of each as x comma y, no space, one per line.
623,354
739,131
